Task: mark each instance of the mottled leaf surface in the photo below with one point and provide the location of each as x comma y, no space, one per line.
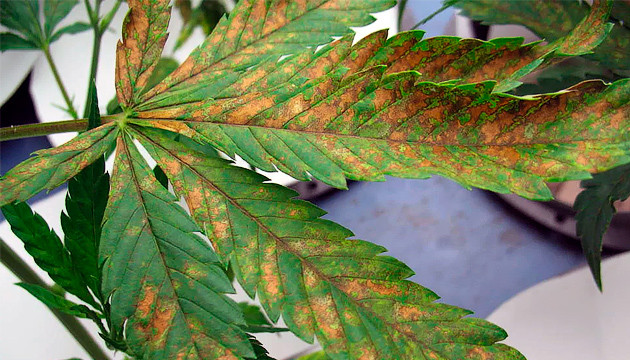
258,31
331,115
52,167
166,284
144,35
354,300
552,20
595,209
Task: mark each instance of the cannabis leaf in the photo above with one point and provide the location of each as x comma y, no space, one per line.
166,284
331,115
595,209
55,301
551,20
305,269
52,167
46,248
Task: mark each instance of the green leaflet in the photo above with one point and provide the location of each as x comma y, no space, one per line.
54,12
595,209
551,20
320,355
331,116
263,31
9,41
46,249
52,167
206,16
166,285
304,268
55,301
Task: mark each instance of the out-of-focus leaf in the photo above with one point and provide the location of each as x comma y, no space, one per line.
305,269
143,37
166,284
54,12
332,115
551,20
46,248
256,321
320,355
206,16
164,67
595,209
10,41
23,17
52,167
55,301
70,29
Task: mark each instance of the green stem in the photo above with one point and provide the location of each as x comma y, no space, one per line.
53,67
47,128
438,11
18,267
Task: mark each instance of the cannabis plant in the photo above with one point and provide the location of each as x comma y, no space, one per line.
263,87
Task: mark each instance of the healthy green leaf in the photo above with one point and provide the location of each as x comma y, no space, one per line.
256,321
259,350
166,284
46,248
85,206
143,37
260,31
304,268
595,209
55,301
10,41
52,167
70,29
331,116
23,17
54,12
206,16
551,20
320,355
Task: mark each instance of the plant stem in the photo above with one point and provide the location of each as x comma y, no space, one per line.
53,67
18,267
55,127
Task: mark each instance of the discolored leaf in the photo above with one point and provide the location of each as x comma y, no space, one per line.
595,209
258,31
46,248
144,35
551,20
52,167
331,115
166,284
357,303
55,301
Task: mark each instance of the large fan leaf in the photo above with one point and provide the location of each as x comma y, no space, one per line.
166,284
332,116
52,167
259,31
304,268
144,35
551,20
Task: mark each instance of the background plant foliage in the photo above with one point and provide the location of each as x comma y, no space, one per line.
256,88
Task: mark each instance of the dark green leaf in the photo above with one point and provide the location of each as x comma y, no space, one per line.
55,301
256,321
206,16
10,41
23,17
54,12
166,284
595,209
164,67
46,248
260,352
70,29
160,176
